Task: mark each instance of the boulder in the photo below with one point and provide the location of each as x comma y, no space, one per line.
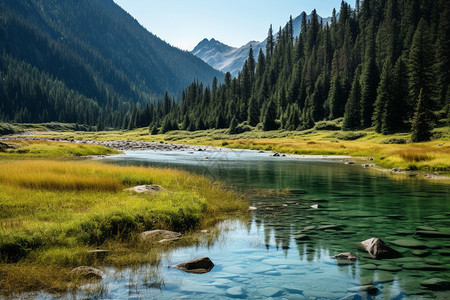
198,266
149,188
276,154
160,235
378,249
87,272
346,256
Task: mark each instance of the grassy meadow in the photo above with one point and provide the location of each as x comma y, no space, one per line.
388,151
53,212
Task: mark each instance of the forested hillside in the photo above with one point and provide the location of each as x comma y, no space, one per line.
383,64
84,61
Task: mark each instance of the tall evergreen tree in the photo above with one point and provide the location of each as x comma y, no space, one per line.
369,78
422,121
269,117
421,76
352,119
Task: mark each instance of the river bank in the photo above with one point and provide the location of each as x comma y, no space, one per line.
58,212
136,145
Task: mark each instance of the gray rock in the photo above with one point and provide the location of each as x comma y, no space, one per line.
198,266
152,188
378,249
346,256
436,284
160,235
87,272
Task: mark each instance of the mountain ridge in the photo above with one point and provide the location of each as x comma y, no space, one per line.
90,49
226,58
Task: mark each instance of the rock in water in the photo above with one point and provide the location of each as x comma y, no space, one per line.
152,188
436,284
160,235
346,255
199,266
87,272
378,249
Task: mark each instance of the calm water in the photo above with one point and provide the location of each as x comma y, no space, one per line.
286,250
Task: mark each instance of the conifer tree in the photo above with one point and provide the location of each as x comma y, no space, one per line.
270,115
384,96
422,121
369,79
421,63
233,125
352,113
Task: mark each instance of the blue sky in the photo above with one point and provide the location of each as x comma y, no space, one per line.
184,23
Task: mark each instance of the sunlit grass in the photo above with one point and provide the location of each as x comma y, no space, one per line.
49,149
53,212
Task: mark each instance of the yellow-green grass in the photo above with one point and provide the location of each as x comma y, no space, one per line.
434,155
49,149
53,212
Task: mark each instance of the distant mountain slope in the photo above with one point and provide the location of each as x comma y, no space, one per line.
89,50
229,59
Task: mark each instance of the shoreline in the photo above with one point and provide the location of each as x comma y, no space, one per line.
131,145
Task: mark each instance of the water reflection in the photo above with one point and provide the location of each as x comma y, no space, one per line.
289,244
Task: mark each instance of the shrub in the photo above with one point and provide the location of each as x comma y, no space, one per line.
350,136
328,125
399,141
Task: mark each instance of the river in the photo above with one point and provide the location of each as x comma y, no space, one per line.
286,250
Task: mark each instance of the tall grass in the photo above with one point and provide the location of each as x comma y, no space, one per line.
53,212
49,149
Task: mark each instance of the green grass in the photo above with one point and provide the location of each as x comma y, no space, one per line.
53,212
48,149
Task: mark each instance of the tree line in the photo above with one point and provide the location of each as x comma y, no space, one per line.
383,64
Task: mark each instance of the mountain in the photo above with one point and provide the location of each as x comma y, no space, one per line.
230,59
75,60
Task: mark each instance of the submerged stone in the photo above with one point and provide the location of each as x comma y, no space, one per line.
421,253
422,267
370,289
236,291
390,268
409,243
270,292
436,284
333,227
368,267
432,233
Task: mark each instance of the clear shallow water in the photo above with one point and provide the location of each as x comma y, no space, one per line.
286,250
